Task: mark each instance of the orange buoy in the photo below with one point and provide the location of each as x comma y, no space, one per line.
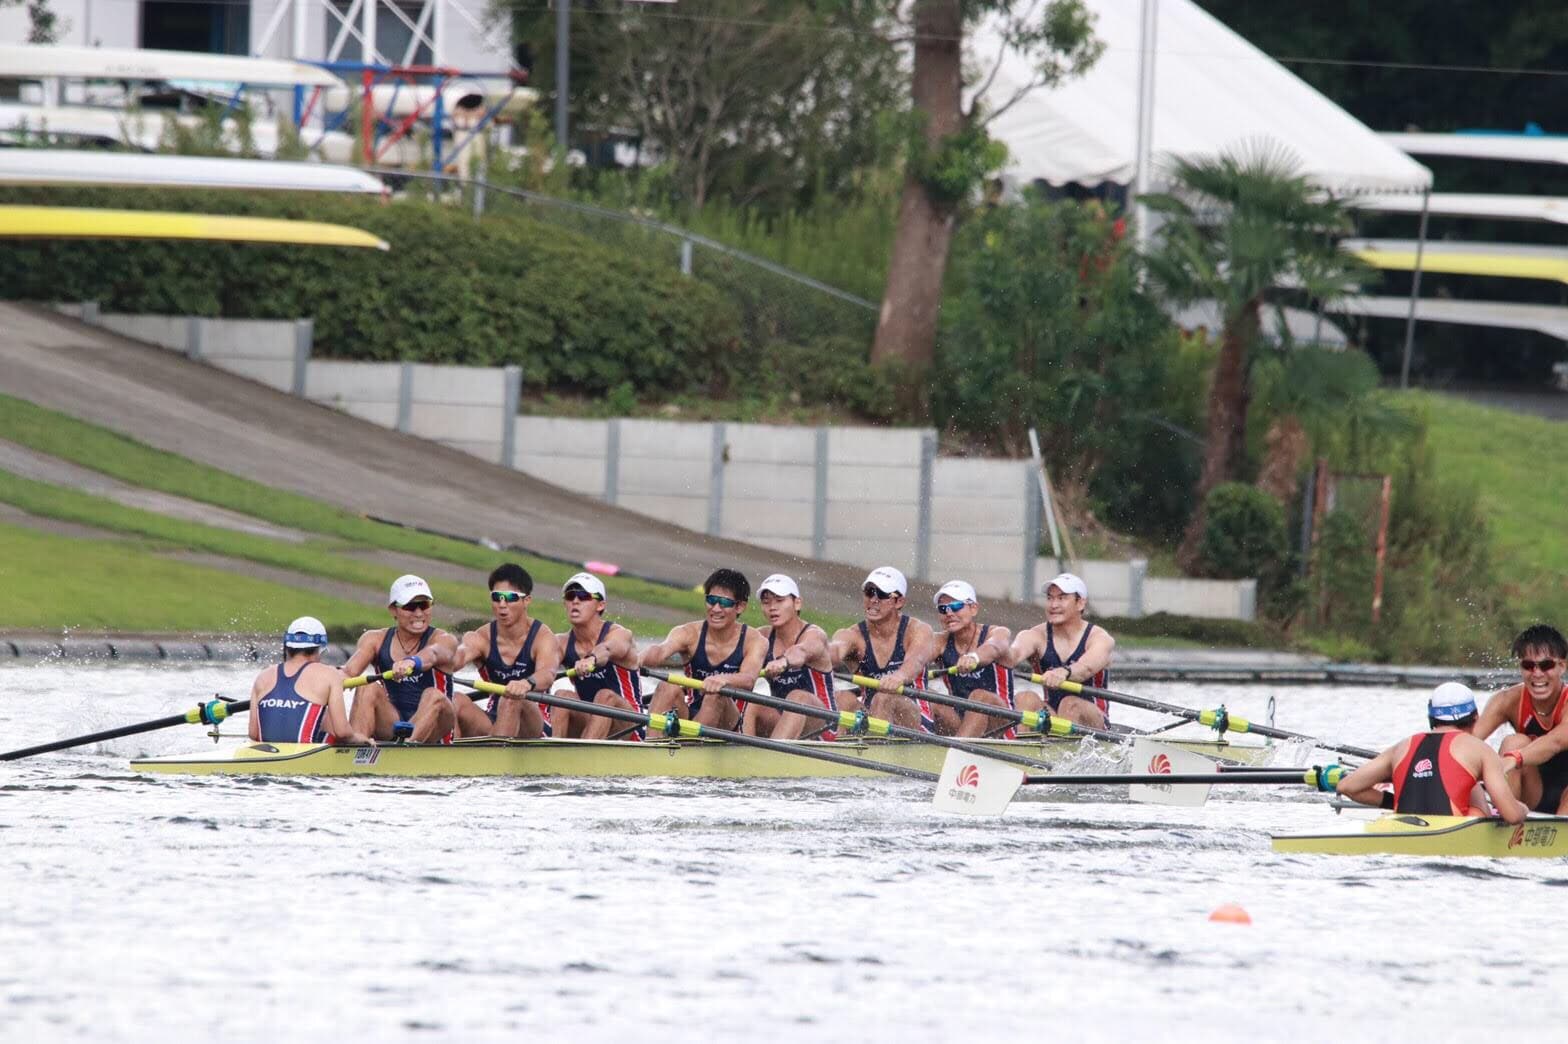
1231,913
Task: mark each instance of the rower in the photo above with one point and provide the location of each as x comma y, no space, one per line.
1536,755
301,699
1066,647
1434,773
514,650
420,693
979,652
604,662
890,646
797,667
720,652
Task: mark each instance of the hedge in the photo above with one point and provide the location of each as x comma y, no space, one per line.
574,314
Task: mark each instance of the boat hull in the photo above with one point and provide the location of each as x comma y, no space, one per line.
581,758
1400,834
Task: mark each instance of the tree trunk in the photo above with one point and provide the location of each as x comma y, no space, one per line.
912,301
1224,442
1286,447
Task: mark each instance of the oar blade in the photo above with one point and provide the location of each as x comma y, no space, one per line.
1162,759
973,785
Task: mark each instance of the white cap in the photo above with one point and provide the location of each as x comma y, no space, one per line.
588,582
1068,583
1451,701
408,587
781,585
957,591
305,633
887,579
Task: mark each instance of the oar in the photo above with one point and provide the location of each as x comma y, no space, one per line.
1319,777
674,726
1040,721
366,679
1221,720
209,713
851,721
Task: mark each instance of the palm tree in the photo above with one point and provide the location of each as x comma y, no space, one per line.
1236,229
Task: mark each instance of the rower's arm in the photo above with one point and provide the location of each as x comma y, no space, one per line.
812,649
1025,647
1494,776
750,665
996,647
473,648
919,650
678,641
1096,656
845,648
338,723
619,646
440,652
1544,748
1361,785
364,653
258,689
1495,714
547,659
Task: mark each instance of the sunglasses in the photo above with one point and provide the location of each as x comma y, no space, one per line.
507,596
1529,665
722,602
579,595
949,607
875,593
418,606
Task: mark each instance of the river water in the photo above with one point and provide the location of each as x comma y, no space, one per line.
136,908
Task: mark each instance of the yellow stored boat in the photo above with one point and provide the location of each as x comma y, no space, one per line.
712,759
1403,834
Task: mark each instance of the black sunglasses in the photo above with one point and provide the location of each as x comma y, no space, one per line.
874,592
417,606
578,595
1529,665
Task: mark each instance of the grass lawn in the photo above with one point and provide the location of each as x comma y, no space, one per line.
54,582
1516,464
140,464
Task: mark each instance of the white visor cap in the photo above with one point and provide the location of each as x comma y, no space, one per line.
956,591
588,582
1068,583
305,633
887,579
408,587
781,585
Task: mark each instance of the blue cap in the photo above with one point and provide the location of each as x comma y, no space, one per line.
1451,701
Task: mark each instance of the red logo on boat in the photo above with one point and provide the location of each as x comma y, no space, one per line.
1160,764
969,776
1517,838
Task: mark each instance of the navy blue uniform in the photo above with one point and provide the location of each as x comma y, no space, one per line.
870,668
1050,661
995,678
700,668
284,716
405,693
620,680
803,679
494,669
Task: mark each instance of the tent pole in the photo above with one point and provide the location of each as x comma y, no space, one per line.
563,40
1141,173
1415,291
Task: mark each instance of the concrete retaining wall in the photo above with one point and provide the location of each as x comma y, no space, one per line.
1126,589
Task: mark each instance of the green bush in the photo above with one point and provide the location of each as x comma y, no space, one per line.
575,315
1245,534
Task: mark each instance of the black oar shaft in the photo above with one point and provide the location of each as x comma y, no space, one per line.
693,730
1046,722
1205,717
1306,776
192,717
882,727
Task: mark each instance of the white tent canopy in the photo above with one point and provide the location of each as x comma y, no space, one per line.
1518,148
1471,205
1213,91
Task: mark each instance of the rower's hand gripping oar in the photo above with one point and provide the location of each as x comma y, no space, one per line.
853,722
676,727
1220,720
210,713
1041,721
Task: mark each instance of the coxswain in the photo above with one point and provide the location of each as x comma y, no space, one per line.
887,645
1066,647
797,667
418,655
1435,773
1536,754
602,656
975,655
513,650
301,699
719,651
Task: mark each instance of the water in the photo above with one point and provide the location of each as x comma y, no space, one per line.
261,909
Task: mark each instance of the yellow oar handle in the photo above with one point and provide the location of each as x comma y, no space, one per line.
496,689
209,713
1224,721
1324,778
876,684
366,679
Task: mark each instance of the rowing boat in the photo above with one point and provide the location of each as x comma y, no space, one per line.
1403,834
550,757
